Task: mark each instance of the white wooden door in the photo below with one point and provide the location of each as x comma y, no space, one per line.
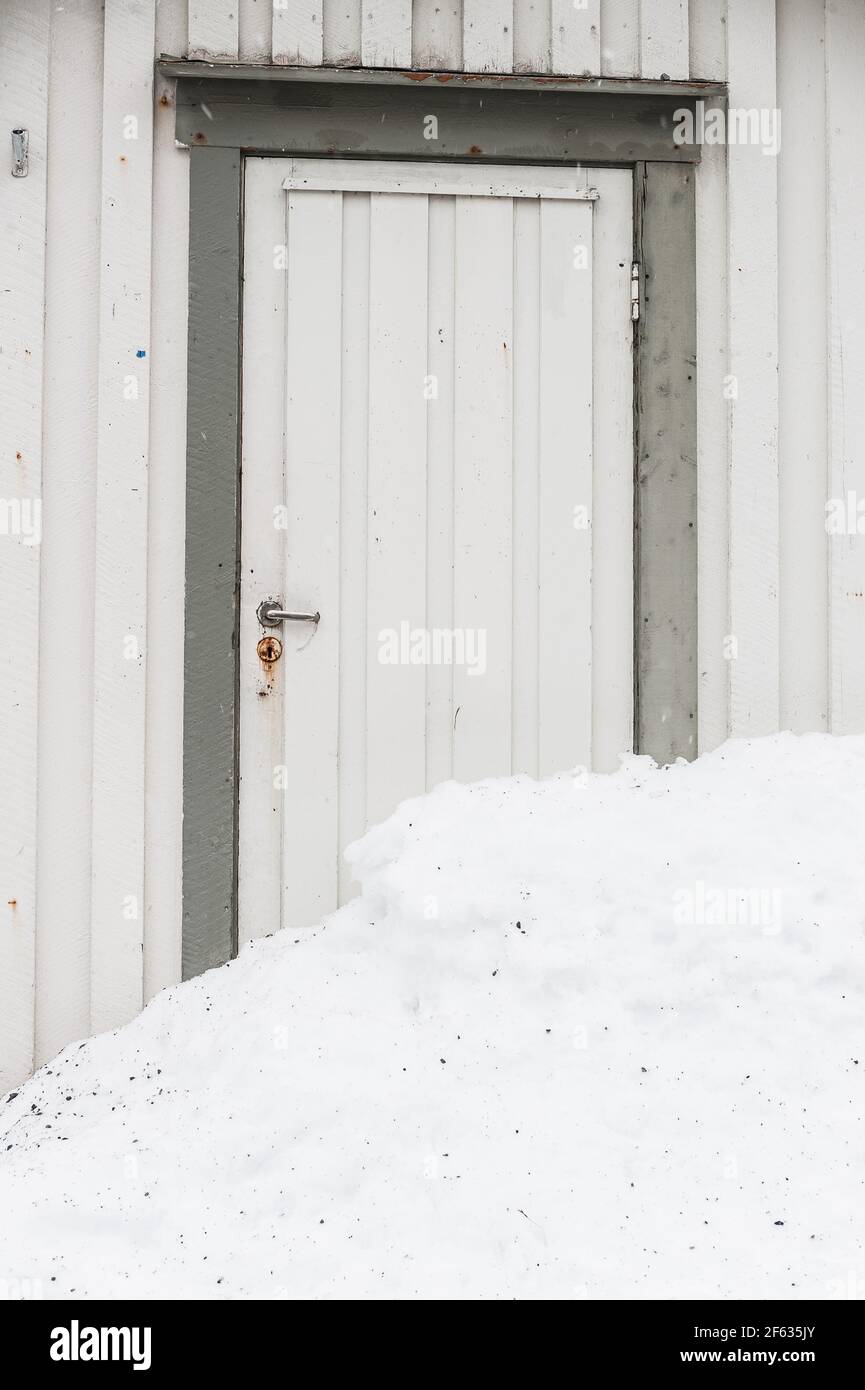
437,459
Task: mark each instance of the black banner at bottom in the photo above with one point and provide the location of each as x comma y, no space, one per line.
155,1338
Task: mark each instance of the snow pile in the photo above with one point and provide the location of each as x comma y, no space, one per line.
587,1038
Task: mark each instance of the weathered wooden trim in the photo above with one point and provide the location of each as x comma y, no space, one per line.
210,743
508,180
378,121
402,77
665,504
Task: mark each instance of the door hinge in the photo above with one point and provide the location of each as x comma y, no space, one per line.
635,290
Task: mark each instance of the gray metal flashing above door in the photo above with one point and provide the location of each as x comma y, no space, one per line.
223,118
523,125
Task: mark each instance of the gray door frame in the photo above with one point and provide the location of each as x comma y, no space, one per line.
228,112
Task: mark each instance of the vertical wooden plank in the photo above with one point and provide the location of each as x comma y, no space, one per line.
68,529
263,788
845,45
440,482
488,35
341,32
576,36
437,34
612,513
483,473
713,444
620,38
708,44
254,27
531,46
169,296
707,40
212,499
396,526
664,38
24,95
666,589
386,34
526,499
120,621
297,32
354,438
565,484
213,28
753,301
311,557
802,356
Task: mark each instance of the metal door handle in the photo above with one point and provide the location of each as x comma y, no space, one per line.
271,615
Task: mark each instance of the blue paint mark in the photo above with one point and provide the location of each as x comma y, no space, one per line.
141,353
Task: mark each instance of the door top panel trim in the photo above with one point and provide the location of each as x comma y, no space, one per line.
415,176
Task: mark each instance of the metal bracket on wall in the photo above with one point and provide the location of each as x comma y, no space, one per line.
20,151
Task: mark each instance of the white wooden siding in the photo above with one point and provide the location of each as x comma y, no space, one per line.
68,549
24,103
845,44
166,512
575,36
311,545
708,44
255,42
816,641
437,34
396,489
122,471
385,34
341,31
802,381
264,401
213,28
297,35
622,38
752,259
664,38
